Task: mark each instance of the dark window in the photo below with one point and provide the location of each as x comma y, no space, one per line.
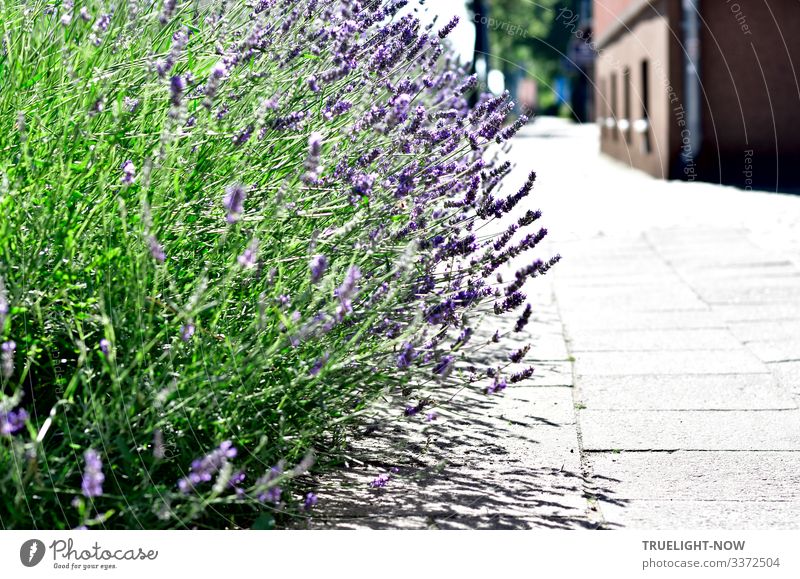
646,106
626,75
614,131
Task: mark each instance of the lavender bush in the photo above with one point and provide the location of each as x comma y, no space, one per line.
227,228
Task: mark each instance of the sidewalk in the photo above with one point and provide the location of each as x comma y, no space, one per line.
681,307
668,372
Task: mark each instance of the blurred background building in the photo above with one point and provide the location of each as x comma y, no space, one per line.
701,89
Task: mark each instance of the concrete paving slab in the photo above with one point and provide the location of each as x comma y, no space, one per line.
759,294
698,515
634,303
773,330
776,350
788,376
680,362
690,430
695,392
654,340
701,476
780,311
601,319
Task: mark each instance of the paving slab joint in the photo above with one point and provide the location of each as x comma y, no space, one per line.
593,499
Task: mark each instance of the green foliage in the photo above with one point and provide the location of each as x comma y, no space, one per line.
528,34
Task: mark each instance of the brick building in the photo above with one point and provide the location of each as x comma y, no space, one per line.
701,89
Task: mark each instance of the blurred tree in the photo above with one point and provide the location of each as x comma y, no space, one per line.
529,38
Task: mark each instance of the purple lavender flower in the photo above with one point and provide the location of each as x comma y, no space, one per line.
7,350
362,184
416,409
444,366
347,291
318,265
316,368
66,17
218,72
523,319
406,356
243,136
380,481
399,112
248,259
312,160
131,104
156,249
498,385
187,331
270,491
128,172
203,469
167,10
105,346
518,355
176,87
100,27
235,196
448,28
12,421
179,40
463,338
519,376
310,501
93,477
509,132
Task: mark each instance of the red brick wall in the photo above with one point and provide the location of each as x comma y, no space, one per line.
606,12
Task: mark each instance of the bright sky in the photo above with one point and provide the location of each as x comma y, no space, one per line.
463,37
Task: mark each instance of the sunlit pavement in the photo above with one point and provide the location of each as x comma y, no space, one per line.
681,308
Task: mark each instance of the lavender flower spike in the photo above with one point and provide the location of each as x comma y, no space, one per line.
380,481
310,501
128,172
7,350
93,477
248,259
346,291
167,11
448,28
270,491
203,469
217,74
318,265
12,421
156,249
444,366
235,196
187,331
312,160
